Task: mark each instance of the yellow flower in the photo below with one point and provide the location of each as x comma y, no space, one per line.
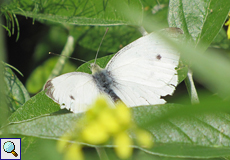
144,138
99,105
74,152
123,114
95,133
101,123
109,121
123,145
228,24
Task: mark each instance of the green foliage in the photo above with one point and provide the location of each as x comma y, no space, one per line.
91,12
16,93
38,105
179,131
202,23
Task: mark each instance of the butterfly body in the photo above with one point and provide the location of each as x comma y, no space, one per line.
104,81
139,74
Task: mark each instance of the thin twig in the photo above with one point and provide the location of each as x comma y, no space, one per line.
66,52
191,88
102,153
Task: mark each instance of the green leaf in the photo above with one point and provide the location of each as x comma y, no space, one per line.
8,65
201,20
16,93
182,71
37,149
116,38
221,41
189,151
38,105
197,133
90,12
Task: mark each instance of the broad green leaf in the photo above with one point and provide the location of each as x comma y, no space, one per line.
16,93
182,71
45,127
36,106
12,67
199,19
189,151
91,12
221,41
27,143
194,134
119,36
40,75
116,38
47,149
38,148
227,157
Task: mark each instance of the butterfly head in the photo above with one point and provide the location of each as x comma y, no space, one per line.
95,68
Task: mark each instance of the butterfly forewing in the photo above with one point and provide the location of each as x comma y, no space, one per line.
144,70
74,91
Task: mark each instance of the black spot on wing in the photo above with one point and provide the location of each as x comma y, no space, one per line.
158,57
72,97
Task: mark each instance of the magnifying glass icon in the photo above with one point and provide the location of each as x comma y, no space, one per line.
9,147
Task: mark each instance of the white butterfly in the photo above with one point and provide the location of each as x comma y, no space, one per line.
138,74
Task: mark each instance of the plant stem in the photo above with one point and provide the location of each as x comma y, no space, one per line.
102,153
66,52
191,88
143,31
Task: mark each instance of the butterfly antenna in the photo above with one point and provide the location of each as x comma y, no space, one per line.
100,44
69,57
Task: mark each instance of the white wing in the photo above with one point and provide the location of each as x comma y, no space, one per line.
144,70
74,91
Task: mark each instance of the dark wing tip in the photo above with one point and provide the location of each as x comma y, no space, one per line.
48,85
49,90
